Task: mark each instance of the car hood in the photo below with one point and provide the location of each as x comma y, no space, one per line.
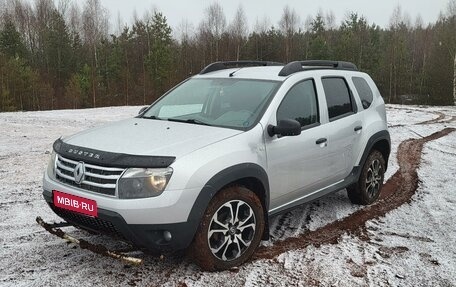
150,137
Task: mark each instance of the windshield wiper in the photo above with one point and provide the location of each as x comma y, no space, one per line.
190,121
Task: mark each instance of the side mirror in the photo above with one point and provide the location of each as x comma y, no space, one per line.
286,127
142,110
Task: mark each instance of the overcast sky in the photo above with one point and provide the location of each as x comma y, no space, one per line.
378,11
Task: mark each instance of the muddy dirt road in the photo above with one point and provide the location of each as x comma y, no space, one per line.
406,239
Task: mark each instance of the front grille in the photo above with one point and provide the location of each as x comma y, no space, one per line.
97,178
87,222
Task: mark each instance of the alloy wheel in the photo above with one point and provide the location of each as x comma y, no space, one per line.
231,230
374,178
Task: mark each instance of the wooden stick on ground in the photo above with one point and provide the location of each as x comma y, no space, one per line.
96,248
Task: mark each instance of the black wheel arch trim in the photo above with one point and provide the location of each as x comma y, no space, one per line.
224,178
374,139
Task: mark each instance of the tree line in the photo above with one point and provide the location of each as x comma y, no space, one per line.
55,56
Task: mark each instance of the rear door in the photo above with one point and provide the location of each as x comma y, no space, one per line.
344,127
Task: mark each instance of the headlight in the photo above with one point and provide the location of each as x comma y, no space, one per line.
51,165
143,182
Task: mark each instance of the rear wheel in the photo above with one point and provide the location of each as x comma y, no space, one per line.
230,230
370,182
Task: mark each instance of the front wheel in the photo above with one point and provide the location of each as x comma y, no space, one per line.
230,230
370,182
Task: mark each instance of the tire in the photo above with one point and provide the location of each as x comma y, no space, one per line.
234,219
370,182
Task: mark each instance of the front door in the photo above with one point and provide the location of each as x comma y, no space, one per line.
298,165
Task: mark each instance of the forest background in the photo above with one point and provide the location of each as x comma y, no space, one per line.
66,55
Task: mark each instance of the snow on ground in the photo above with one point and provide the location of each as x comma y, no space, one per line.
414,245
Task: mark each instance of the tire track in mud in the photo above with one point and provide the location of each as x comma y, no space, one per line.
290,224
398,190
440,119
281,225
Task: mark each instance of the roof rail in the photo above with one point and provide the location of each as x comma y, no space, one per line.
229,64
298,66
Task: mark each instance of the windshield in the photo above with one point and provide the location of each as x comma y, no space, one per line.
233,103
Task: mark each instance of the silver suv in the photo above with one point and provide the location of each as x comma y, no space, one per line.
206,165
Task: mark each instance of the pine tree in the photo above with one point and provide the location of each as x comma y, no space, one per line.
11,43
159,61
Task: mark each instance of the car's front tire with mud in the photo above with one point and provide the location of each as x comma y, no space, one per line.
230,230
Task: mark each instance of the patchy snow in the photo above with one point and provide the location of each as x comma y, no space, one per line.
414,245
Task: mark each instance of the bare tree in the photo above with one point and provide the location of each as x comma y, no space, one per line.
260,29
149,13
262,25
396,17
239,29
74,19
308,23
330,20
63,6
289,24
94,29
204,42
185,31
185,34
216,23
451,12
120,24
2,8
399,18
451,8
418,22
401,54
43,9
23,15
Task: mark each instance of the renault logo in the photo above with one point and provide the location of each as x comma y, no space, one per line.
79,173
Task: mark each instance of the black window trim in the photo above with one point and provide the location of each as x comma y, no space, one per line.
312,125
359,96
352,99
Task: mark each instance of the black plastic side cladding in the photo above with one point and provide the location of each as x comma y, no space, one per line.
110,159
224,178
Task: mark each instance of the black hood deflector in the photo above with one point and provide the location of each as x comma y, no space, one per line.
110,159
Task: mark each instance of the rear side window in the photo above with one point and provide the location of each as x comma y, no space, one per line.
364,91
337,97
300,104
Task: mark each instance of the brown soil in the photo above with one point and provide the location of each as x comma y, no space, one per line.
440,117
398,190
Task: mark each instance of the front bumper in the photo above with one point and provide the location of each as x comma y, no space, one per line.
143,222
145,236
172,206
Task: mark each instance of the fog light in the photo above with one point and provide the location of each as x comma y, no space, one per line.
167,235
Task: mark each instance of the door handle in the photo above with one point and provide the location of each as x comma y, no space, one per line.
321,140
358,128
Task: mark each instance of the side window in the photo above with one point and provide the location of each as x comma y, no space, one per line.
300,103
364,91
337,97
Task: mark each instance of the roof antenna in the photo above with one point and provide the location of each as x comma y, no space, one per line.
232,73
